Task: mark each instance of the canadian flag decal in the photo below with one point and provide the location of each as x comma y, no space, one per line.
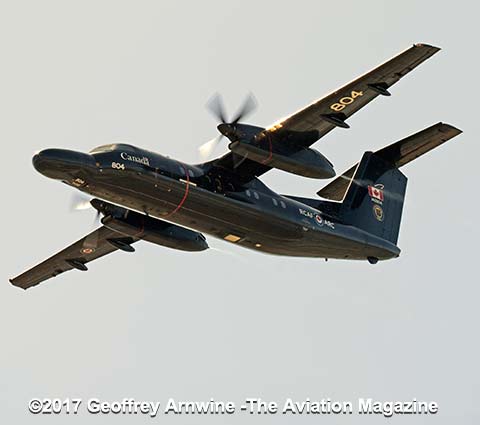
375,193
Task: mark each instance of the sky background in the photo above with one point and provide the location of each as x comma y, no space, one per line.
229,323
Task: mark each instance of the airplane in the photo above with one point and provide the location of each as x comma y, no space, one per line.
142,195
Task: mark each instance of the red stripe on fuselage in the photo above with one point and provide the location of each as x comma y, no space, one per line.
185,195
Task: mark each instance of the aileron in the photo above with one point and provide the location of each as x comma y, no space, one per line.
303,128
93,246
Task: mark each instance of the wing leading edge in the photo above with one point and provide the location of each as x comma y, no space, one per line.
305,127
331,111
100,242
398,153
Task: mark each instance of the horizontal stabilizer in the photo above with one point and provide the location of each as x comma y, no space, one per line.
397,154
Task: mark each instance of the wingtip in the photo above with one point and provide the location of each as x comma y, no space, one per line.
428,46
12,282
445,127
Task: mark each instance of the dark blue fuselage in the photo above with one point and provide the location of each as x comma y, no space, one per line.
210,200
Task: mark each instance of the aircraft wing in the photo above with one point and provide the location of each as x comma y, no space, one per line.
100,242
305,127
399,154
331,111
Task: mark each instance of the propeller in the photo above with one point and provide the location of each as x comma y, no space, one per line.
81,202
227,129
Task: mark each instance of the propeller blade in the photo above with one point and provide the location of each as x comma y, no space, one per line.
238,159
207,148
217,108
79,202
249,105
91,242
96,219
226,128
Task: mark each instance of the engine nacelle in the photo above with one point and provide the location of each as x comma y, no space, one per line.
306,162
131,223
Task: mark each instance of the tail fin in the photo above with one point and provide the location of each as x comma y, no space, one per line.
374,199
373,190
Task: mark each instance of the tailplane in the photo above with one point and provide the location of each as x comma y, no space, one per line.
373,191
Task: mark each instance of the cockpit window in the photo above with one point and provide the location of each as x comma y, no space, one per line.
103,148
110,147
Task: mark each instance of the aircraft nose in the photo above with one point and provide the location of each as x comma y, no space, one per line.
58,163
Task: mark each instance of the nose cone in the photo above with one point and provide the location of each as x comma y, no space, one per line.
61,163
228,130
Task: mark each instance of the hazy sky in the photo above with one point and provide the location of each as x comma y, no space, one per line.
229,323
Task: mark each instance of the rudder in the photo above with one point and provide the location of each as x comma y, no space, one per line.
371,193
374,199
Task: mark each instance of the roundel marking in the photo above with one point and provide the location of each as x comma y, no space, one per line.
378,212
